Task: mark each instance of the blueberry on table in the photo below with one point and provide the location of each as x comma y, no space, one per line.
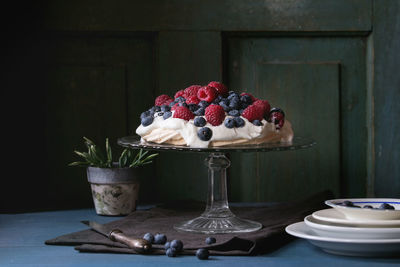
204,133
147,121
177,245
202,254
160,239
171,252
149,237
199,121
167,245
210,240
386,206
368,207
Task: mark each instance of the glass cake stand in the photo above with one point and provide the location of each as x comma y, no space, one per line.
217,218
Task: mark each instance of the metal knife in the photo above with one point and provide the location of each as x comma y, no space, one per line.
140,245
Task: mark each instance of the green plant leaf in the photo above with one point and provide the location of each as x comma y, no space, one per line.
123,158
109,153
79,163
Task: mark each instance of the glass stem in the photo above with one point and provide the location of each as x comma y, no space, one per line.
217,195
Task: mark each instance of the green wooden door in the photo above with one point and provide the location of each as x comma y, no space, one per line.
329,64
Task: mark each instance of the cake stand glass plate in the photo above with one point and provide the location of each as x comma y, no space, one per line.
217,218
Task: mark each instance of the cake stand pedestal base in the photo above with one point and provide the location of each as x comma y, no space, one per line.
217,217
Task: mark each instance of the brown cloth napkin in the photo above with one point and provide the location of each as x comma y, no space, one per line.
274,219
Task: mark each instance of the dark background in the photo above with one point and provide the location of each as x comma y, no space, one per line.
88,68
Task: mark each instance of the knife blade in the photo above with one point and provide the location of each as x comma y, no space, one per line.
140,245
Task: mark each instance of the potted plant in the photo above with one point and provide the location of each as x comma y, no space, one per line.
115,185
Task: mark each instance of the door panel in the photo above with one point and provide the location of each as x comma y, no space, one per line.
320,84
97,87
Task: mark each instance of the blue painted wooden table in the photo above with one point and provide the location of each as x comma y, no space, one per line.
22,239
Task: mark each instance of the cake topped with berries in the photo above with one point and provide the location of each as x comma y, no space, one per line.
211,116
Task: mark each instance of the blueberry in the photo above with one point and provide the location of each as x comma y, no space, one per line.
386,206
182,104
160,239
167,245
203,104
180,99
234,112
202,254
147,121
149,237
204,133
231,92
155,109
167,115
229,123
193,107
239,122
177,245
210,240
160,114
246,99
243,105
199,121
368,207
233,95
165,108
199,112
172,104
241,111
257,123
145,114
170,252
224,106
235,103
217,99
347,203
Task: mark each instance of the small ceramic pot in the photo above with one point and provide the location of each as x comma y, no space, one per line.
115,191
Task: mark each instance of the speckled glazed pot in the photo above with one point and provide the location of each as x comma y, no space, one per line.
115,190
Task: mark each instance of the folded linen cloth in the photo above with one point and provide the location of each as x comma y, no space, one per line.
274,218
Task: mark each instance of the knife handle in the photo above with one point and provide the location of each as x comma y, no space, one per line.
138,244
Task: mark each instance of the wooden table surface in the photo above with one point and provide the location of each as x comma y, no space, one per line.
22,239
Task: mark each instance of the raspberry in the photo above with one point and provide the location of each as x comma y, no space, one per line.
277,117
191,90
264,104
215,114
163,100
179,93
253,112
192,100
221,88
183,113
207,93
252,97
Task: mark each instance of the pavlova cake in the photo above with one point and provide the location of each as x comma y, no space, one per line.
212,116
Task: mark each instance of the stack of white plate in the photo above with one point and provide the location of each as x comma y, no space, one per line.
353,231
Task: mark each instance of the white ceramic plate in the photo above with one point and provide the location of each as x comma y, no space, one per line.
354,213
348,247
334,216
329,229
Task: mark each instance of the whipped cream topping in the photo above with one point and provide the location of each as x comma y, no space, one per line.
188,131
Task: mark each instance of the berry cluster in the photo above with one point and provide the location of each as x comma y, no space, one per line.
213,104
383,206
174,247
